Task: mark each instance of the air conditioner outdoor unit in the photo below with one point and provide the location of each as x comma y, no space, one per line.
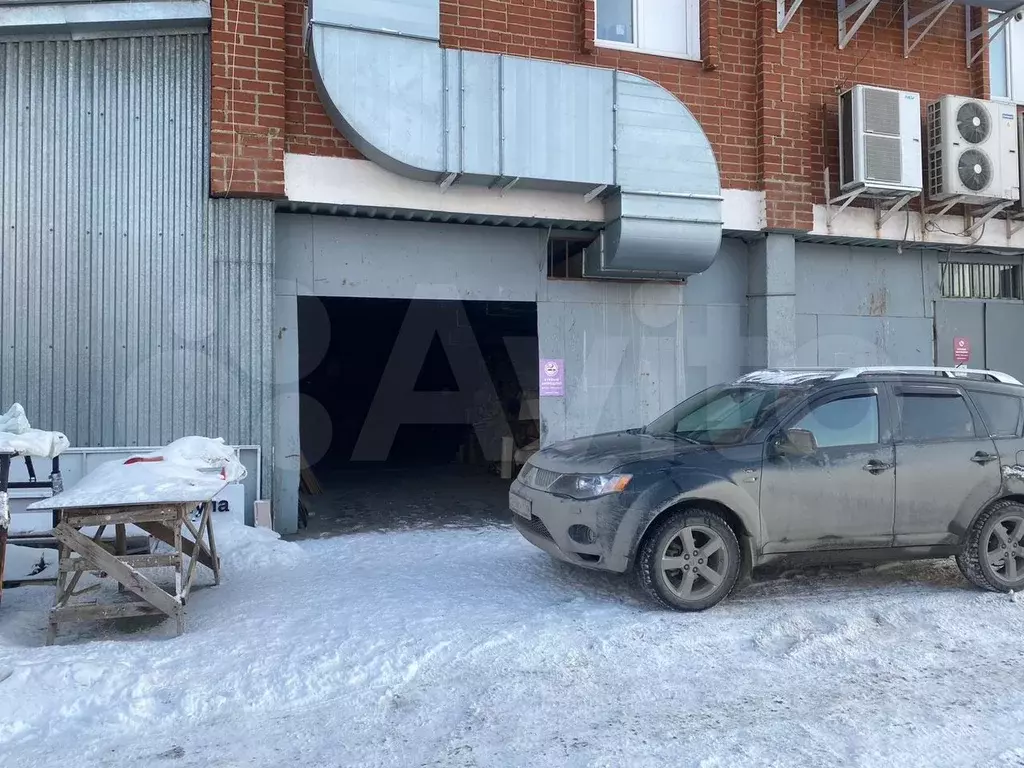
880,141
973,151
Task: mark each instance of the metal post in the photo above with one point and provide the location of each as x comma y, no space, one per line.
5,514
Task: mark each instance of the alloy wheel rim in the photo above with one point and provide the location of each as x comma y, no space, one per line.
1004,549
694,562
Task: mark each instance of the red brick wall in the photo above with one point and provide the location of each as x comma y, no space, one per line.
247,109
767,101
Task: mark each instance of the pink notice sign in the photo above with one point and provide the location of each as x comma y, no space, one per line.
961,350
552,378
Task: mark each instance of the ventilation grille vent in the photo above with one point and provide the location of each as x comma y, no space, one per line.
882,112
935,178
980,281
846,168
883,159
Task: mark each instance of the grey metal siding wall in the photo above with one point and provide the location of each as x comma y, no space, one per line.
134,308
863,306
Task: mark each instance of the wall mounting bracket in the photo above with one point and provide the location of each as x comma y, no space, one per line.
852,16
886,203
992,25
1014,223
927,17
985,214
786,10
929,213
884,210
843,202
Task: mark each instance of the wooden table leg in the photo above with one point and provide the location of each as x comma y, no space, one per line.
120,546
177,573
213,551
63,554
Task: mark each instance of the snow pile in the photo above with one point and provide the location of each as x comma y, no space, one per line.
29,563
189,469
246,549
17,436
782,376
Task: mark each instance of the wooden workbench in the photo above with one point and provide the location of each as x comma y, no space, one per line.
166,522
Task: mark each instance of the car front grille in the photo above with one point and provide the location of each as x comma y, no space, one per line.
534,524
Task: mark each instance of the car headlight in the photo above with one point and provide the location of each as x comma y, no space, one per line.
527,475
590,486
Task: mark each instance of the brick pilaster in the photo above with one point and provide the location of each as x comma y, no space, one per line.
247,129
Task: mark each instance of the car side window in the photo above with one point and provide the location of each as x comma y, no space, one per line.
844,422
1001,413
928,416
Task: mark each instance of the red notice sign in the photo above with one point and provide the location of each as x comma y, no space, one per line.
961,349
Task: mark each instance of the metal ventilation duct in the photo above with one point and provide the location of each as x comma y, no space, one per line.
443,115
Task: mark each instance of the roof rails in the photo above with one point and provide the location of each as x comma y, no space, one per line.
852,373
797,375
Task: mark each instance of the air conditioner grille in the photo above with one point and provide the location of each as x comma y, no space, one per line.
975,169
883,159
882,111
935,178
973,122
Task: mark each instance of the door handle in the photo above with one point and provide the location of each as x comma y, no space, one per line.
875,466
983,458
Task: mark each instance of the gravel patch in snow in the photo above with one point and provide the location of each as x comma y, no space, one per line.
472,648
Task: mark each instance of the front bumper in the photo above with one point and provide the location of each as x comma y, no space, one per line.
556,524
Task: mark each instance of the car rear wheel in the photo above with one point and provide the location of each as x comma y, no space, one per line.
690,561
992,556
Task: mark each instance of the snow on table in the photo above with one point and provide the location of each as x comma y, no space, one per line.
472,648
189,470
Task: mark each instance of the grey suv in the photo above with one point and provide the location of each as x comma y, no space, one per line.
858,464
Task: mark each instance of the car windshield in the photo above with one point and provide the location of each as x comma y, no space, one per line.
725,414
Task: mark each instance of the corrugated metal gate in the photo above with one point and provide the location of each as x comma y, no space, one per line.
133,308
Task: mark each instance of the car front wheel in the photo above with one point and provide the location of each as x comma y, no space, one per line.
992,556
690,561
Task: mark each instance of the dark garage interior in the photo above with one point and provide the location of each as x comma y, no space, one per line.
410,410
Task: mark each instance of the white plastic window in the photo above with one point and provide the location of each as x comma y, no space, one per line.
1006,63
659,27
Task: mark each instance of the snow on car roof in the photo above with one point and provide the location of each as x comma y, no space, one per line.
786,376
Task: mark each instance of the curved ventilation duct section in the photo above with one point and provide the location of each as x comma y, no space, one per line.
446,115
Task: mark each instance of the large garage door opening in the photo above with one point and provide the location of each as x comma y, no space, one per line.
413,410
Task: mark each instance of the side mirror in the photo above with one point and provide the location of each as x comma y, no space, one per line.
796,442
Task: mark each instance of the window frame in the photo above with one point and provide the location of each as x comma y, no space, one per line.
1004,42
692,34
941,390
981,411
885,433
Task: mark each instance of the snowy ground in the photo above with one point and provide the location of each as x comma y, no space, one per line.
471,648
